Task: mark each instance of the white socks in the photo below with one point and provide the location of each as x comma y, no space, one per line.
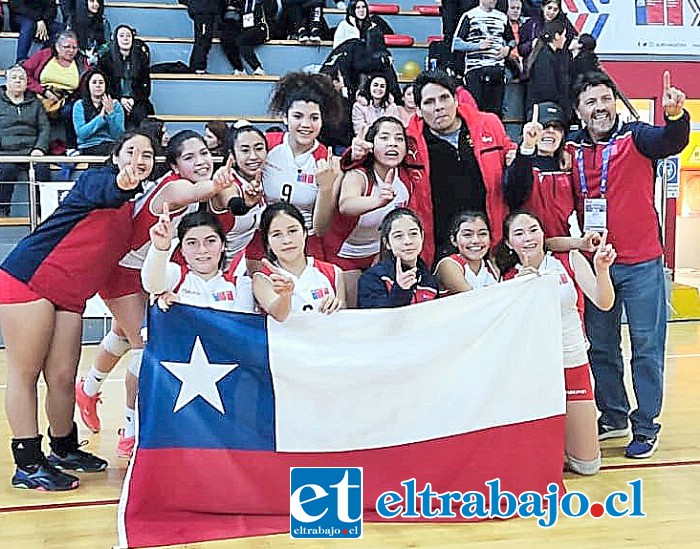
130,423
93,381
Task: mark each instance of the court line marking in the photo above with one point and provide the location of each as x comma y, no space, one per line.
104,502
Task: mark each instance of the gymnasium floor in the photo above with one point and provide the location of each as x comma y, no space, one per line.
86,518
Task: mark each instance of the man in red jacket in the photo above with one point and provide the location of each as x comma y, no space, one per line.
464,152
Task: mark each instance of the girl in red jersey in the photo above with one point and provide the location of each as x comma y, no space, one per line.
401,277
523,252
300,170
289,281
200,281
469,268
189,181
44,285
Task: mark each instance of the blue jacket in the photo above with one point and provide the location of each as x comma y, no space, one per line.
100,129
377,287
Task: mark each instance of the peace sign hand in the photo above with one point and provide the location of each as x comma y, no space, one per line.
406,279
162,233
127,180
386,189
253,190
360,147
673,99
281,283
223,177
532,131
605,254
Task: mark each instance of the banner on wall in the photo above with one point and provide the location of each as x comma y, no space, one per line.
653,27
50,196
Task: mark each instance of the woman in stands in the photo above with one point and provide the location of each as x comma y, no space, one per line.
289,281
299,169
401,277
98,119
468,268
216,137
127,65
379,102
409,107
200,281
248,148
45,282
242,29
92,28
522,251
189,182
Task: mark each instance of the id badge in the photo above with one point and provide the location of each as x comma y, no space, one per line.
248,20
595,214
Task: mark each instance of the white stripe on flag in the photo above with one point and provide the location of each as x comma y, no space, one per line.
378,378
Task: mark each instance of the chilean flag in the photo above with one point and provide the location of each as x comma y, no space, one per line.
455,392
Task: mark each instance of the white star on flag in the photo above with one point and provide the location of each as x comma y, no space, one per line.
199,378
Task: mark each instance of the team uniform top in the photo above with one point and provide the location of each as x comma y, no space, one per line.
319,279
363,241
239,229
224,291
292,179
487,275
145,218
574,340
70,255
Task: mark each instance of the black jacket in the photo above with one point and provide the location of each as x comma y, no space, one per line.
549,80
377,287
39,10
24,126
136,66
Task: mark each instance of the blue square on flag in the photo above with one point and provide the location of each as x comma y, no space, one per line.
325,502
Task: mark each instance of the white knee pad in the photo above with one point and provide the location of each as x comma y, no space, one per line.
115,345
135,362
583,467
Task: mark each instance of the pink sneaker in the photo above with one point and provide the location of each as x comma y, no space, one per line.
125,446
88,407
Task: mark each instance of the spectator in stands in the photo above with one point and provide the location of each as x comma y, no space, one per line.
584,56
514,93
244,27
486,39
33,19
24,128
216,137
306,20
532,28
205,14
127,67
379,103
409,108
401,277
616,162
452,10
54,74
93,29
464,153
357,22
514,62
98,118
548,67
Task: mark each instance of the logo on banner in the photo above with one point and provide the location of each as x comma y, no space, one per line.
325,502
587,16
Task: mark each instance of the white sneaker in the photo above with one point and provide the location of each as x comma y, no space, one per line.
238,73
259,72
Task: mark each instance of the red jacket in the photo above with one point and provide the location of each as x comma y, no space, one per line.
490,147
35,65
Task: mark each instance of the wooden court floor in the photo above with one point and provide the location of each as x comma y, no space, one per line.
86,518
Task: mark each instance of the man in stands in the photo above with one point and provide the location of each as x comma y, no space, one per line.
464,153
614,168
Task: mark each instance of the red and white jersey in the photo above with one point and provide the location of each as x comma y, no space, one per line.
487,275
319,279
292,178
223,292
239,229
145,218
364,239
574,340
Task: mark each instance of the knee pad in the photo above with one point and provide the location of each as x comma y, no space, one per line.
583,467
115,345
135,362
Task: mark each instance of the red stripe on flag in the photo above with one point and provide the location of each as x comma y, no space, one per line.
188,495
580,22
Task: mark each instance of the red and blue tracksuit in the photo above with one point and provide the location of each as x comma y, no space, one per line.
377,287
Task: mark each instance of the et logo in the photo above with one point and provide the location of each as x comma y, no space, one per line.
325,502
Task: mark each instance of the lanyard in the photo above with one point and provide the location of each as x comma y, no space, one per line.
604,169
248,6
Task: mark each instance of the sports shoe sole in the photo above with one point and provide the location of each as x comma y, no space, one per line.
615,433
58,465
